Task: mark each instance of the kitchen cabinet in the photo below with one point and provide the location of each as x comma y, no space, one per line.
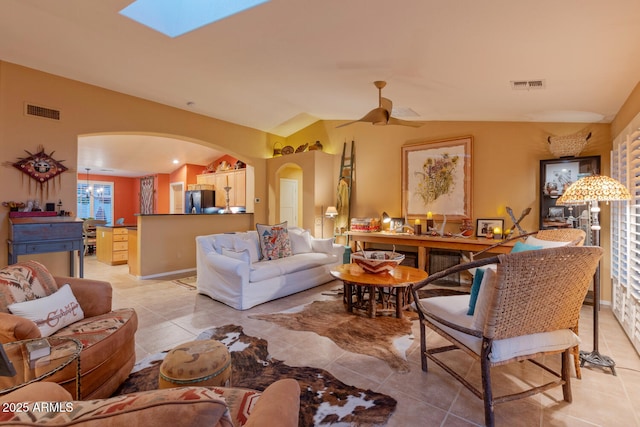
112,245
236,179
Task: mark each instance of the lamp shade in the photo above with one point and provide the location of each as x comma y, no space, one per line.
331,212
386,218
594,188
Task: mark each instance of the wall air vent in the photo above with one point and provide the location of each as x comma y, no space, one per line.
527,84
43,112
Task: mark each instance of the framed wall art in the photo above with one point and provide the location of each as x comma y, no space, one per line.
486,226
436,178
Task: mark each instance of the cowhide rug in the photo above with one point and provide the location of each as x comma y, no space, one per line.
324,400
384,337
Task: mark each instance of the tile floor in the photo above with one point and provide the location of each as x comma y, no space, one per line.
170,314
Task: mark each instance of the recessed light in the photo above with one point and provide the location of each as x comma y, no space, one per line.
175,161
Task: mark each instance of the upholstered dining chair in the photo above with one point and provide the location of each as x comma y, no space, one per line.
527,307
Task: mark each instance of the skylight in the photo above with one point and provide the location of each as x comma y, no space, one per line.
177,17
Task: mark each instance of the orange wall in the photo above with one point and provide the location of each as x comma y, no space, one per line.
162,201
125,195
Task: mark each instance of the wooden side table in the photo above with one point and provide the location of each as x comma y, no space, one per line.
361,288
64,351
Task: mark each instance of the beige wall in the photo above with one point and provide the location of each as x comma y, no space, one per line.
167,243
506,163
88,109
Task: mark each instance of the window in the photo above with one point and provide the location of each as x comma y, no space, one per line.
95,200
625,232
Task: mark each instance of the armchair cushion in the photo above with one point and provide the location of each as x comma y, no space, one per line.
545,244
25,281
453,309
50,313
187,406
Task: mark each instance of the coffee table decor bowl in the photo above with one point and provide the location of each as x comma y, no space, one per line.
377,261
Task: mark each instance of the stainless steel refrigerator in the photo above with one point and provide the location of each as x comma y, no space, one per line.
199,201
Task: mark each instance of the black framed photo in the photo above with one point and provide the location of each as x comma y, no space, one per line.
493,226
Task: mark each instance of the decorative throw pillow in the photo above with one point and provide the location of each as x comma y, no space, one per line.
50,313
322,245
484,297
300,240
522,247
274,241
24,281
475,289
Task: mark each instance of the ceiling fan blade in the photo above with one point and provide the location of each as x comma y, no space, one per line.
377,116
386,104
415,124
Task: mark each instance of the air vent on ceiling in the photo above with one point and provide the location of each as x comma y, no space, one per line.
43,112
527,84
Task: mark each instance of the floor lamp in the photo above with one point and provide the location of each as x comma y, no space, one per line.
592,190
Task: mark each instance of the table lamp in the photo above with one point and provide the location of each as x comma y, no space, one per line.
592,190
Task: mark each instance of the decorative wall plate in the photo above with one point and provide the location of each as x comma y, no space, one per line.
287,149
302,148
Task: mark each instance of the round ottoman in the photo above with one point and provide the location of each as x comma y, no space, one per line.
196,363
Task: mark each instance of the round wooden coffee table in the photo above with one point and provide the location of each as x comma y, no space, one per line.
364,290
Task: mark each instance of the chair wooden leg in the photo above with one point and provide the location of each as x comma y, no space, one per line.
487,394
423,346
566,376
575,351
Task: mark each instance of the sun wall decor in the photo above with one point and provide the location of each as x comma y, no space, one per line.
40,167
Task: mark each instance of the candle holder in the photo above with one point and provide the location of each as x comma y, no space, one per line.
227,208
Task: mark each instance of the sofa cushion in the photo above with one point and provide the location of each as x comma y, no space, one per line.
269,269
24,281
274,241
50,313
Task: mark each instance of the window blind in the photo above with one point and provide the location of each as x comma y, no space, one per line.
625,232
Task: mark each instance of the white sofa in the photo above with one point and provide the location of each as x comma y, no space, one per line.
229,268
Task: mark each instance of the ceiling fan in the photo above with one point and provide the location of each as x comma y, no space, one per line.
382,114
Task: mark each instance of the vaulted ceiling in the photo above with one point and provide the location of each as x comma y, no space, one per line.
282,65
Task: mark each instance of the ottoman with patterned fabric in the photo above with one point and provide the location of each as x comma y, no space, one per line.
196,363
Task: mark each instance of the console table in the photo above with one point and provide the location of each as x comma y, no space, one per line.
36,235
425,242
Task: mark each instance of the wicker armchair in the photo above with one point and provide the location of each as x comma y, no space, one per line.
529,307
570,236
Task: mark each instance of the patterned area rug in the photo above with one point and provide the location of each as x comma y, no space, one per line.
324,400
187,282
383,337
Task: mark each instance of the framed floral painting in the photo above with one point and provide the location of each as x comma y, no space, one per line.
436,178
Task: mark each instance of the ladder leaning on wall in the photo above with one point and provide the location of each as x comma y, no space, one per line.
345,183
